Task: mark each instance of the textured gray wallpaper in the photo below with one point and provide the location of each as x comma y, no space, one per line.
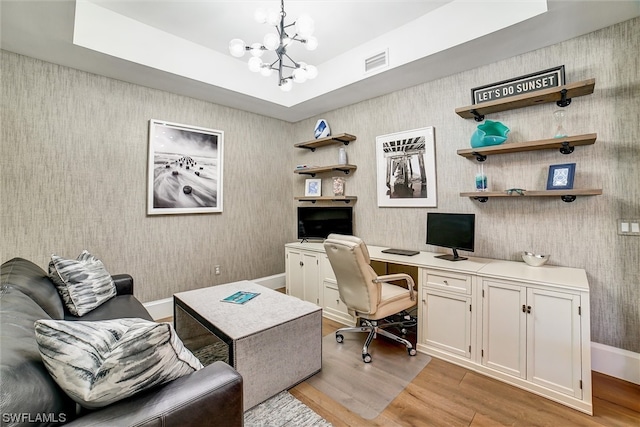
579,234
74,176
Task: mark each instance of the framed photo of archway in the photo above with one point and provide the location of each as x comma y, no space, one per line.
406,168
185,169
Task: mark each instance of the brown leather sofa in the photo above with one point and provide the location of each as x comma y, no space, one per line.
211,396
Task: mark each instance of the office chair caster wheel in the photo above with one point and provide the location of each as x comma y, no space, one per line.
366,358
339,338
403,331
412,351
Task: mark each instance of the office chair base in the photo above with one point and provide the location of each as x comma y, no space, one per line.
373,329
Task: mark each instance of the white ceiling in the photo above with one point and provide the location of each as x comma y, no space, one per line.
181,46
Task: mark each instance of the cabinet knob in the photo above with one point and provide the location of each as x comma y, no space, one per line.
446,283
524,308
301,264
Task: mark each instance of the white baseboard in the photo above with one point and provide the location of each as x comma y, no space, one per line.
276,281
160,309
615,362
163,308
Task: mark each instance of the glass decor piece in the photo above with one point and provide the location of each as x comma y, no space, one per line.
338,186
559,117
481,179
342,156
489,133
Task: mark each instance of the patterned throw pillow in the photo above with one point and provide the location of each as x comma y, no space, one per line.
98,363
83,283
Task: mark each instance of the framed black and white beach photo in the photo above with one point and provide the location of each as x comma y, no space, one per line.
406,168
185,169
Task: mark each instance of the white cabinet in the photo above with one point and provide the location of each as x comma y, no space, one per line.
444,313
526,326
533,333
332,306
302,274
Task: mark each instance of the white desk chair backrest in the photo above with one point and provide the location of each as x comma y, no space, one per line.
349,258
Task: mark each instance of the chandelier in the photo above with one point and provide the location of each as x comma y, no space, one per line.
278,43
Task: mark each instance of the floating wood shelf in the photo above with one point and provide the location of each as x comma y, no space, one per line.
565,145
565,195
561,94
320,169
343,138
346,199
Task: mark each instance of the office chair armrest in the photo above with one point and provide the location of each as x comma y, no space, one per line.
399,276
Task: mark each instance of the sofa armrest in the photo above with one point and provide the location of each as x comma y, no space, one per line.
211,396
124,284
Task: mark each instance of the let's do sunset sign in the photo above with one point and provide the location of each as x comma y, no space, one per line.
540,80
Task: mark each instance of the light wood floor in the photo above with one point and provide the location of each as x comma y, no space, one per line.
444,394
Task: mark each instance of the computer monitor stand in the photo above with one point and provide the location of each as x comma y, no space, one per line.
452,257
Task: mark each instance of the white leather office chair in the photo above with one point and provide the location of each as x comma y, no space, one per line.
367,295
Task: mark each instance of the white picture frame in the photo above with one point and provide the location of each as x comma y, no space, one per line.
406,169
313,188
184,169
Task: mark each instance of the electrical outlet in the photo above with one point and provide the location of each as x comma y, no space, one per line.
629,227
217,270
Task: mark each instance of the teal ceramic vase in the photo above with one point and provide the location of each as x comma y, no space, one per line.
489,133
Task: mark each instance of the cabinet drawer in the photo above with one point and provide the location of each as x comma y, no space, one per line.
332,301
452,282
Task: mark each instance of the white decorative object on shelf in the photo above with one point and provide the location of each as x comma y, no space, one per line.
322,129
342,156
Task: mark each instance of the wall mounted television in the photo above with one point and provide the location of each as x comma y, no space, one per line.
316,223
451,230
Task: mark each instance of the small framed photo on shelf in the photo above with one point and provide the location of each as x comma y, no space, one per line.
313,188
561,176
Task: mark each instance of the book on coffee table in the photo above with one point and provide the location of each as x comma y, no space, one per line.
240,297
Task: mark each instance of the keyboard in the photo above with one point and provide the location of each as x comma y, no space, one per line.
405,252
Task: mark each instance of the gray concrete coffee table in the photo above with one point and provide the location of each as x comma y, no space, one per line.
274,340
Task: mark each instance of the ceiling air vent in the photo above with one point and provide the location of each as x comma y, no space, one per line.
379,60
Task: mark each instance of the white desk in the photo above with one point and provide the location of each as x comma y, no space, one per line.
527,326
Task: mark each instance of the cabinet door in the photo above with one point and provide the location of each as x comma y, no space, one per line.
302,275
446,321
504,328
294,274
310,271
553,334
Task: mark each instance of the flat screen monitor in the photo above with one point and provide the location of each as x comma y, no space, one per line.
451,230
316,223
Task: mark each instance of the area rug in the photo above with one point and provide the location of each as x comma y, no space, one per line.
283,410
365,388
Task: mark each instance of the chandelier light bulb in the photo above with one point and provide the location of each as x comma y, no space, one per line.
305,26
299,75
256,50
266,70
312,72
255,64
237,48
286,85
311,43
271,41
273,17
260,15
